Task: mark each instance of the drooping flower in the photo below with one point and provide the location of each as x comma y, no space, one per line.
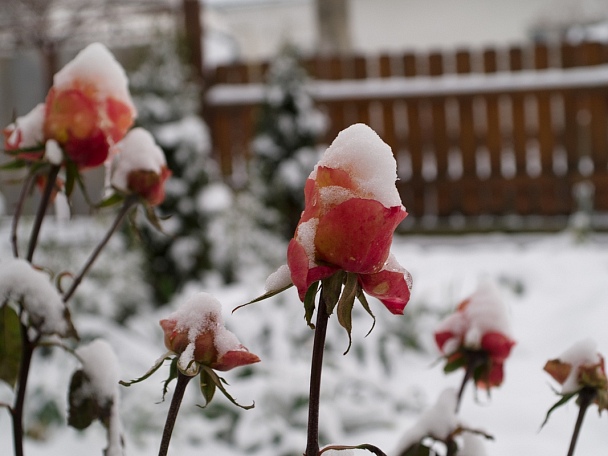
352,208
197,334
477,336
581,367
139,167
89,107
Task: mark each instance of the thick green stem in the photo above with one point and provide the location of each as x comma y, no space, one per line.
585,399
178,395
312,445
124,210
42,208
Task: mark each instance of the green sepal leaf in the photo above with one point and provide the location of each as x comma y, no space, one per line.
153,218
173,372
364,446
10,345
208,387
309,303
12,165
71,173
267,295
455,364
565,398
345,306
159,362
332,288
111,200
363,300
84,407
219,382
418,449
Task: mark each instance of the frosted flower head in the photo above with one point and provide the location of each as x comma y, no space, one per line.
477,336
139,167
197,334
352,208
581,367
89,107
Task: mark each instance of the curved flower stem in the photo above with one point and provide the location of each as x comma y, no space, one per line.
585,399
124,210
42,207
468,373
25,189
178,395
312,445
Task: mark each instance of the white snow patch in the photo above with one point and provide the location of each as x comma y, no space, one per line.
53,152
137,151
96,65
27,130
369,161
100,365
279,279
485,312
582,353
21,282
306,237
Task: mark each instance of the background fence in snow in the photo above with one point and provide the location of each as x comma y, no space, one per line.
494,132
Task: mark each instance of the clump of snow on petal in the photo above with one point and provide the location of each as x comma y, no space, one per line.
27,130
53,152
306,237
96,65
279,279
582,353
439,421
100,365
137,151
19,281
370,162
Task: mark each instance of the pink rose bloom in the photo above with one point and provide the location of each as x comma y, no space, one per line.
139,167
352,208
89,108
478,332
197,334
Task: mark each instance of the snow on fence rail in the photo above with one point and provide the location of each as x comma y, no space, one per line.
514,137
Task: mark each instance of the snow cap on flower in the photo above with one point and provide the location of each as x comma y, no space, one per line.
20,282
579,366
197,334
89,107
480,324
26,133
352,207
140,167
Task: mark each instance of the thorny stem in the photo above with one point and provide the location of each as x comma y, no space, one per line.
25,189
178,395
312,445
585,399
27,351
124,210
42,207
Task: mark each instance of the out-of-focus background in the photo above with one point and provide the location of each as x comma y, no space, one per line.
496,112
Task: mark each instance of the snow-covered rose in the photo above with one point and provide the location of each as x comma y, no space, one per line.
197,334
581,366
352,208
89,107
140,167
478,333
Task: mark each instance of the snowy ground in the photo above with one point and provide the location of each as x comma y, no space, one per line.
556,290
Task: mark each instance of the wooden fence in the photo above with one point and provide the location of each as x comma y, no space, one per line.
494,132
